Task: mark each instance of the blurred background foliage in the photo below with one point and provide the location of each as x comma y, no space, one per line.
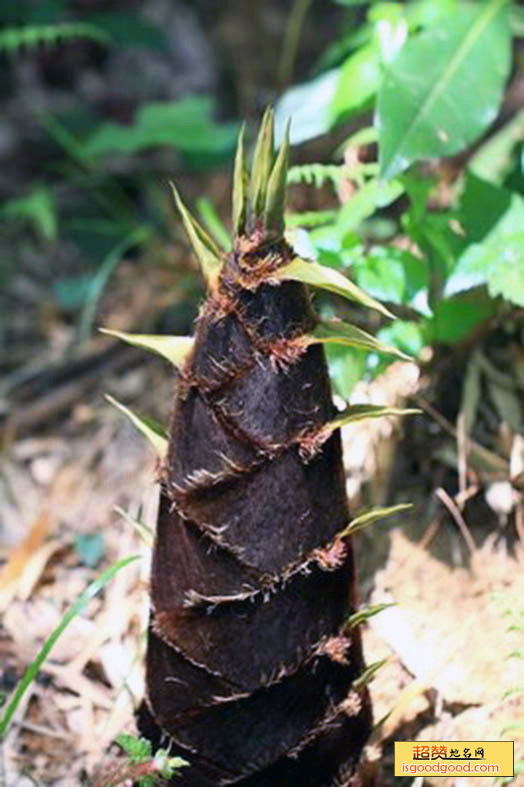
408,127
408,155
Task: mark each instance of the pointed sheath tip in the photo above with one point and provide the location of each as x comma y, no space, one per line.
204,247
240,184
263,161
277,188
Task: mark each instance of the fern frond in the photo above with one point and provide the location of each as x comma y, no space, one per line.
14,38
317,174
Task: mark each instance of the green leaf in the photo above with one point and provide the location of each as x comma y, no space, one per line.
358,81
262,163
363,615
492,161
328,279
240,185
148,427
212,220
454,319
346,367
493,221
99,281
359,412
276,189
373,195
368,674
309,107
445,86
372,516
34,668
174,348
205,248
393,275
39,208
137,749
186,125
338,332
405,335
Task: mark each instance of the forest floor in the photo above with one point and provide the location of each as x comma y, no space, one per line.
446,641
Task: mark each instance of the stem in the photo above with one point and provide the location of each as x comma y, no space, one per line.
292,34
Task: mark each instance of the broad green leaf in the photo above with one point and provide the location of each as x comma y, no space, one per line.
358,81
34,668
493,222
205,248
445,86
393,275
346,365
454,319
372,516
309,108
174,348
38,208
372,195
406,335
338,332
148,427
359,412
186,125
328,279
492,161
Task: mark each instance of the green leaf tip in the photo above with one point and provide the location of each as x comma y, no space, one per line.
240,184
276,188
328,279
148,427
205,248
262,164
175,348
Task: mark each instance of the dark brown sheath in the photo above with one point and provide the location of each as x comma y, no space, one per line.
250,665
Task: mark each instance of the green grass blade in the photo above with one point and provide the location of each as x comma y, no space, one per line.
73,611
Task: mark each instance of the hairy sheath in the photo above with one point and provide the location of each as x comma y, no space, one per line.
250,665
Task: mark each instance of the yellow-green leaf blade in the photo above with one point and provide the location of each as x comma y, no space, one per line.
372,516
203,245
317,275
175,348
262,163
240,185
276,189
148,427
359,412
339,332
